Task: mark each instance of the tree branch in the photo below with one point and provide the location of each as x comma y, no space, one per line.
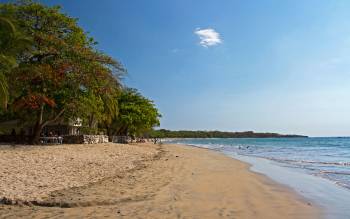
41,114
54,119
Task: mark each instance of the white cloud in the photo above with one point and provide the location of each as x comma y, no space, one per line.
208,37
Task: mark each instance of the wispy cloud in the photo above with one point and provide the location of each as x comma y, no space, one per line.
208,37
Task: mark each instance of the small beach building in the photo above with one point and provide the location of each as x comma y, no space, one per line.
72,127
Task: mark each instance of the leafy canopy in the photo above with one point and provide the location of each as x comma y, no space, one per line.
62,74
137,114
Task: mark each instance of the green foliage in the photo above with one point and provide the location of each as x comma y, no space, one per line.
163,133
3,91
12,42
51,71
91,131
63,75
137,114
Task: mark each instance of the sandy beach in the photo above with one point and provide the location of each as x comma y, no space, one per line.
138,181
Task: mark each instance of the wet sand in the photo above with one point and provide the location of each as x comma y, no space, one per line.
145,181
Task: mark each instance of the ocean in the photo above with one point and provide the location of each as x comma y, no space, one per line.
317,168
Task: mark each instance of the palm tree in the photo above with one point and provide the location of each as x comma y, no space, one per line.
12,42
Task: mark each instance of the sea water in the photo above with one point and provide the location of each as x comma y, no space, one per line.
317,168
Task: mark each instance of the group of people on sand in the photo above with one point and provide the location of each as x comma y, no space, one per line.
144,140
140,140
51,137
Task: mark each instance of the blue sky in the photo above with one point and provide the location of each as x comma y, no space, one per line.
277,66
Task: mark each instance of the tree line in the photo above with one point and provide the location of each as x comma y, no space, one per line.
51,70
163,133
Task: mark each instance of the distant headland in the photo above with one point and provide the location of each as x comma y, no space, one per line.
164,133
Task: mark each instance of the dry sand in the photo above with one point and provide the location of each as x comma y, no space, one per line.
30,173
140,181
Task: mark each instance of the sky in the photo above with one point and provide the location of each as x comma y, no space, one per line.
231,65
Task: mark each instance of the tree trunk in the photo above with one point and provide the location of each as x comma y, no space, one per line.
40,124
91,121
38,127
109,134
36,134
123,131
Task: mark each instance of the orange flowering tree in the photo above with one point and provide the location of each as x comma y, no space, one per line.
62,76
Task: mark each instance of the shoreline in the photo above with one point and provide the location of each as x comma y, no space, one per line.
263,177
169,181
326,195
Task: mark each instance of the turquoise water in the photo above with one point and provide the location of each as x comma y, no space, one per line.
327,158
